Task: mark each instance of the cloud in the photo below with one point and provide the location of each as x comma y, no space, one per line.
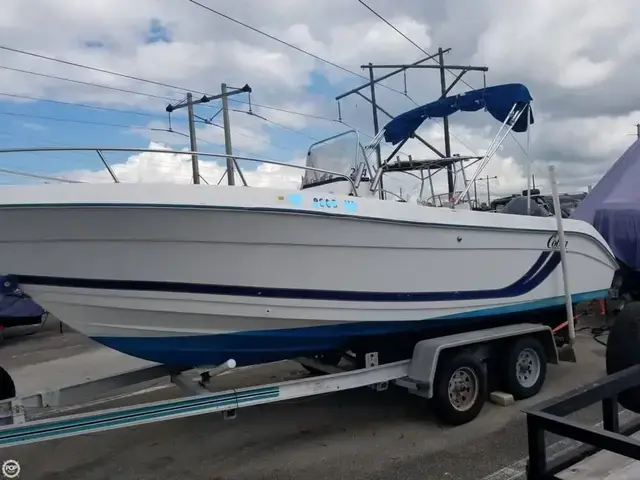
573,61
158,167
578,58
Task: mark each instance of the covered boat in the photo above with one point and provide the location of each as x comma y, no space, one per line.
613,208
16,309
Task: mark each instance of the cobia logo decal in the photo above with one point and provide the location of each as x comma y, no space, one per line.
554,243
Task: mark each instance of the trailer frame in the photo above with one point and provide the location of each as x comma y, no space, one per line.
23,422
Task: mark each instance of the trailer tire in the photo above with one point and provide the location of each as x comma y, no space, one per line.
623,351
524,367
7,386
460,388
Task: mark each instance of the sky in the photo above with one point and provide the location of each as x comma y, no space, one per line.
579,59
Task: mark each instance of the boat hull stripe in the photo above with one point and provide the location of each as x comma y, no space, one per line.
538,273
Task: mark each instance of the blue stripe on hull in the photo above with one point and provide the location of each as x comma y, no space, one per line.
538,273
262,346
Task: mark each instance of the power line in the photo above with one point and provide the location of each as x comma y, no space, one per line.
101,70
96,69
97,85
94,123
290,45
429,55
132,77
209,122
139,127
301,114
80,82
83,105
405,36
392,26
284,110
133,92
284,127
71,120
101,124
136,127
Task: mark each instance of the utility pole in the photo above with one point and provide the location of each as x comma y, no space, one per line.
231,178
638,129
488,191
195,166
189,103
475,192
486,178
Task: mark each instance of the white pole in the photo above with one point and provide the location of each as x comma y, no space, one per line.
528,187
528,114
563,255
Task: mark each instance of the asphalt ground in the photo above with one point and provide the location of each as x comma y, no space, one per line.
356,434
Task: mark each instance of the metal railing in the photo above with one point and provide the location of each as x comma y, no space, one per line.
100,150
550,416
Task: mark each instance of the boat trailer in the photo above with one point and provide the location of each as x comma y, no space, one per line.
428,374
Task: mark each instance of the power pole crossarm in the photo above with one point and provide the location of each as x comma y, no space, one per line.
208,98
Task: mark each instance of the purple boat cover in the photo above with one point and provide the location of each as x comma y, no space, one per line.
22,307
13,304
613,207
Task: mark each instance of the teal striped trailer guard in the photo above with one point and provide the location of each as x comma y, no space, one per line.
92,422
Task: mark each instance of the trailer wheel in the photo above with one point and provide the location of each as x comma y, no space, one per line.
7,386
623,351
524,368
460,388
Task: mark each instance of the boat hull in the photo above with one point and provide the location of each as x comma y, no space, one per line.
267,275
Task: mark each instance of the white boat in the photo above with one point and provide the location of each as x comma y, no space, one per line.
194,275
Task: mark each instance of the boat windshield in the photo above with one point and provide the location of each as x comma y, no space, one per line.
341,154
